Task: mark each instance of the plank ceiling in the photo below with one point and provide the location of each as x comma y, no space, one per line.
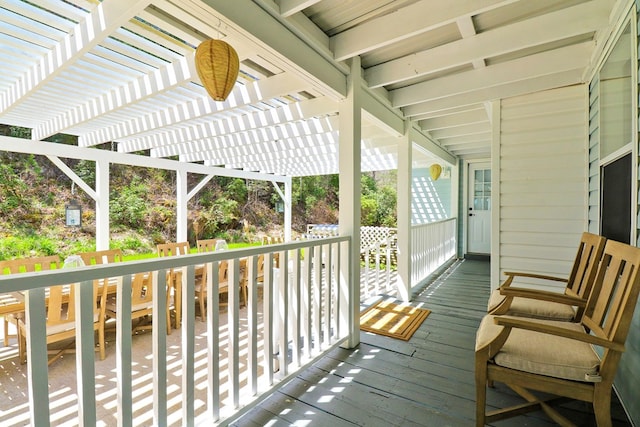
121,72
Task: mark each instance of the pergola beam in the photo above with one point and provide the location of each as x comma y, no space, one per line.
18,145
107,17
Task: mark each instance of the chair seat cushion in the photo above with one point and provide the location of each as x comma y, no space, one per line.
537,309
540,353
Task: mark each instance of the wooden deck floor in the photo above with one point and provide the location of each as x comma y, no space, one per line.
426,381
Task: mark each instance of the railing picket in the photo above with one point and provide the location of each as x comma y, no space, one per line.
328,294
283,302
159,338
85,353
267,297
188,345
252,313
307,283
37,371
234,334
295,309
123,350
316,303
213,340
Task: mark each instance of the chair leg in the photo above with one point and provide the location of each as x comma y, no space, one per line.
481,389
602,405
203,312
101,341
22,343
6,331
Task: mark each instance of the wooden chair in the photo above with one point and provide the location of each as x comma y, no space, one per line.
61,319
173,249
141,300
173,279
566,306
223,278
108,256
558,357
24,265
206,245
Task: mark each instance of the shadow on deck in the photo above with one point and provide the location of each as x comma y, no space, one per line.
426,381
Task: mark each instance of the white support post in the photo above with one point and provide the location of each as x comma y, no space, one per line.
287,209
405,180
349,219
182,197
102,205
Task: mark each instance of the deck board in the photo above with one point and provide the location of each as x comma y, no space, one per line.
426,381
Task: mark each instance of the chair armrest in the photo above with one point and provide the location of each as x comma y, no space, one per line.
510,291
531,325
512,274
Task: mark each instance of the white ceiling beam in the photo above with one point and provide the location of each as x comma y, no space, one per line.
241,95
467,29
508,90
454,120
532,66
451,111
481,140
562,24
425,142
289,7
107,17
467,129
302,110
404,23
266,31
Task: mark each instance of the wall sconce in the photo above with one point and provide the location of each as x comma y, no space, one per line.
73,214
435,170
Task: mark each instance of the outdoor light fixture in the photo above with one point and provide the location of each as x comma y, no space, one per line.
73,214
280,207
217,65
435,170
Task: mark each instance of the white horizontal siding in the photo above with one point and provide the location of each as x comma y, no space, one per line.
543,180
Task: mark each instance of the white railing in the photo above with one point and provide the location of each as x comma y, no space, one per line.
300,317
432,245
374,256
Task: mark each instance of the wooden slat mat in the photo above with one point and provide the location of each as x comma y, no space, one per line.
392,320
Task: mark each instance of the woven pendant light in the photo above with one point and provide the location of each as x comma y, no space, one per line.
217,65
435,170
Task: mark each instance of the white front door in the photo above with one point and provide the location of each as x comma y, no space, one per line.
479,209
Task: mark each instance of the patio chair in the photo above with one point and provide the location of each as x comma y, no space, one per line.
173,279
141,301
108,256
61,319
223,278
558,358
566,306
24,265
207,245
